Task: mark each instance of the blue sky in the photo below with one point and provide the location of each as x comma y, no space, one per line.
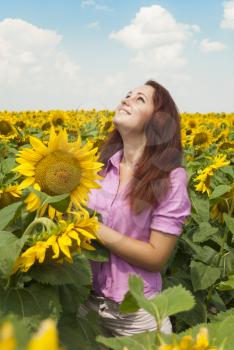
90,53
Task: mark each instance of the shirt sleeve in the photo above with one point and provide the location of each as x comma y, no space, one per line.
171,213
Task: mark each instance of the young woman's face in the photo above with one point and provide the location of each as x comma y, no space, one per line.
135,109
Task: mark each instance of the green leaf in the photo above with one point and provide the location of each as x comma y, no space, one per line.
7,165
129,303
60,201
80,332
198,314
223,315
228,170
227,285
207,255
10,248
72,296
100,254
201,206
77,273
229,222
62,204
8,213
203,276
164,304
141,341
204,232
223,333
35,303
217,301
219,191
220,333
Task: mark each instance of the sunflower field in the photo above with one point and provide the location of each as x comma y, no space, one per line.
49,164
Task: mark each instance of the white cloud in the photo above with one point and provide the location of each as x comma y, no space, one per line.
228,16
95,25
33,65
87,3
157,39
96,5
211,46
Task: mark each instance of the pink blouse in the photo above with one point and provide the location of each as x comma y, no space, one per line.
110,279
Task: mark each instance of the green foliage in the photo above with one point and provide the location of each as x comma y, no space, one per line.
228,284
204,261
162,305
220,331
32,304
59,202
80,332
10,248
21,333
8,214
220,190
203,276
204,232
229,222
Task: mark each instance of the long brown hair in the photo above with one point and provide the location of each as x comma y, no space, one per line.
163,152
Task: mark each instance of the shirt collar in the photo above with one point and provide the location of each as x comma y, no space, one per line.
114,160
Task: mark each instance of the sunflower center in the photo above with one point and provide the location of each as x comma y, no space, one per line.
5,127
58,173
200,138
192,124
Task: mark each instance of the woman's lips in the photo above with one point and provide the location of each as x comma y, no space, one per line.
124,110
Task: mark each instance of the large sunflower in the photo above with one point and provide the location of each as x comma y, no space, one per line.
57,168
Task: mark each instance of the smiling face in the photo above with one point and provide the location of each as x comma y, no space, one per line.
135,109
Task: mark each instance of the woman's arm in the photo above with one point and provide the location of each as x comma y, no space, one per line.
150,255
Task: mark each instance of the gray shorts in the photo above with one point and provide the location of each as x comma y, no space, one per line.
115,323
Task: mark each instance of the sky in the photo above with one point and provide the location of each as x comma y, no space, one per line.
71,54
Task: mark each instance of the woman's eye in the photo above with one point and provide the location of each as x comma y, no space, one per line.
141,99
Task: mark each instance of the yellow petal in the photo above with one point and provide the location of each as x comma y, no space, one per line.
38,146
45,338
87,246
64,241
27,182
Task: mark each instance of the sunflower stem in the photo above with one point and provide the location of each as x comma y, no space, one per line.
48,223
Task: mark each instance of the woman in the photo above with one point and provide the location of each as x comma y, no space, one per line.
143,202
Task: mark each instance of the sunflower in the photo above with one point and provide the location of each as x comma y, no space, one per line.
219,161
201,137
7,336
205,175
228,146
9,195
57,168
204,180
189,343
46,337
60,243
223,205
57,118
105,122
6,130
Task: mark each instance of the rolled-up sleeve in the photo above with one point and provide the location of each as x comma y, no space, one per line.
171,213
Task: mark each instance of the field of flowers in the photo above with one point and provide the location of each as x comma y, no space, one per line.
49,163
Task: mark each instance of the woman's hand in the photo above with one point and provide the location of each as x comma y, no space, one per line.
150,256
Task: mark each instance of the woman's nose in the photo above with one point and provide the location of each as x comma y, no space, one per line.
125,100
